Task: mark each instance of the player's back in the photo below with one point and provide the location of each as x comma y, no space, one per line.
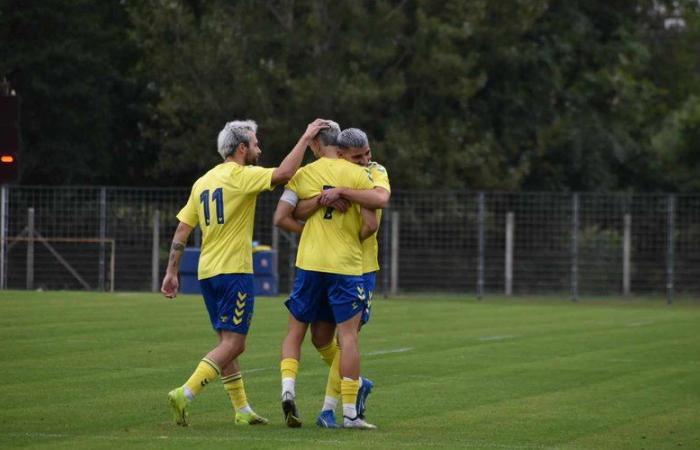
370,246
223,203
330,241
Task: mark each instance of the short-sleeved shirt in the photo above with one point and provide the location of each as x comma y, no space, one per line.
370,246
222,202
330,242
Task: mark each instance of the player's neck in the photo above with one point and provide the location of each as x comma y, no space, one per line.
329,152
235,159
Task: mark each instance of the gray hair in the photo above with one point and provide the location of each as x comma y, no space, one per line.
328,136
233,134
352,138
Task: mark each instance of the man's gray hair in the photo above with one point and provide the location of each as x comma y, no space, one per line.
352,138
328,136
233,134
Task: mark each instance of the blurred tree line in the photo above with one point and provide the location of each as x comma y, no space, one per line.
478,94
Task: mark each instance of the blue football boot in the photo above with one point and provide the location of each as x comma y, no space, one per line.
362,394
327,419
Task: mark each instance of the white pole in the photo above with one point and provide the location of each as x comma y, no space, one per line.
30,249
394,252
510,223
3,236
275,247
626,254
155,252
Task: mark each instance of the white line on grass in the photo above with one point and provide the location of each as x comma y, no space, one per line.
384,352
640,324
496,338
259,369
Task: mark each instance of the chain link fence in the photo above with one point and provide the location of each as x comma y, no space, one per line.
100,238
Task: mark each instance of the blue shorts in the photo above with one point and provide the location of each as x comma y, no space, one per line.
230,301
320,296
370,279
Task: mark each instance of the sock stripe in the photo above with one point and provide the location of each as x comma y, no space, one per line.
231,378
327,347
212,364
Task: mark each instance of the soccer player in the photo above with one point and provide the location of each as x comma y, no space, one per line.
223,203
356,148
322,331
329,269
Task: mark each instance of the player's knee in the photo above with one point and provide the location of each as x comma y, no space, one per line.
233,346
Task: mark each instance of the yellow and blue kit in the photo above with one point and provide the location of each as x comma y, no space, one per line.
222,202
329,259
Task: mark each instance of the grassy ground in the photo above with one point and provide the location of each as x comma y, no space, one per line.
91,371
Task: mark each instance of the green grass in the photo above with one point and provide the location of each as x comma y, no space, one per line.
91,371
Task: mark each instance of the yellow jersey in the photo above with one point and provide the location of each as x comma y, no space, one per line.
330,241
222,202
370,246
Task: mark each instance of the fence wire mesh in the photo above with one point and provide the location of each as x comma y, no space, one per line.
102,238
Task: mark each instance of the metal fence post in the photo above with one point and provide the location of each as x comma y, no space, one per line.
574,246
626,254
3,236
394,252
510,225
276,248
670,248
480,236
155,252
293,244
385,255
103,236
30,248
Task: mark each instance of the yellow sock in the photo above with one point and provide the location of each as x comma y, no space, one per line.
235,390
206,372
348,389
289,367
333,383
329,351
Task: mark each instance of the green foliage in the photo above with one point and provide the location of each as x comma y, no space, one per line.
68,60
538,95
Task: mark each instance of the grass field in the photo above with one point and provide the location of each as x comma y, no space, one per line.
91,371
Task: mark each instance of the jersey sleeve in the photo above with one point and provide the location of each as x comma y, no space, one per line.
189,214
380,176
257,179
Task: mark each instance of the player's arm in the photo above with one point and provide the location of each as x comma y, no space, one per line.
376,198
307,208
370,225
290,164
170,282
283,217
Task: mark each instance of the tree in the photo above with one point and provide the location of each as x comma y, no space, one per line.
69,62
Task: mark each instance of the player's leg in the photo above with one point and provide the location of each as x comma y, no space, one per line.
323,335
347,298
231,322
323,338
289,368
302,305
366,385
232,380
